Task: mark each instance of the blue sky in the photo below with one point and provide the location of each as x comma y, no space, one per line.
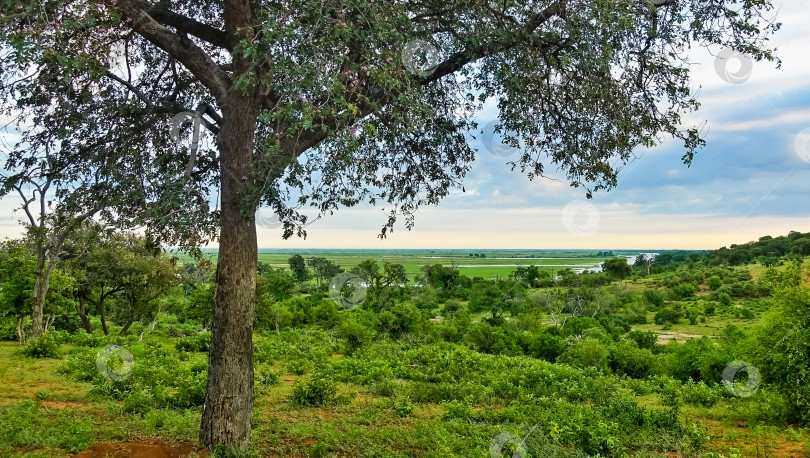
750,180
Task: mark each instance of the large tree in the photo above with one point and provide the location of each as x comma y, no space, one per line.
326,103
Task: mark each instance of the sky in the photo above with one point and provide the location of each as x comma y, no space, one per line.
749,181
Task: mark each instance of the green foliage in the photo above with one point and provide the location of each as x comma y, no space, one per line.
782,356
298,268
24,425
356,334
547,347
617,268
158,378
319,391
667,315
42,347
576,326
644,339
584,353
654,298
403,406
199,342
627,359
683,290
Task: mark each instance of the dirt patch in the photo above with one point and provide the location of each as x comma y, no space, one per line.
664,337
62,404
143,449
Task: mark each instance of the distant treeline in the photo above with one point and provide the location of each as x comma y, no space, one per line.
767,250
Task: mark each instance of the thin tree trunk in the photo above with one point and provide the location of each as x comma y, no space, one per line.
102,315
228,410
82,312
20,330
46,261
40,290
126,326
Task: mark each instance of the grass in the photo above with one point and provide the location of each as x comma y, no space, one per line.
413,260
43,413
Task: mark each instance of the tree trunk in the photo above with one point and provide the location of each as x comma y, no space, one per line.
82,312
228,410
20,330
40,290
102,314
42,279
126,326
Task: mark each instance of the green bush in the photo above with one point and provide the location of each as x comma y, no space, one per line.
683,290
403,406
547,347
665,315
586,353
654,298
627,359
42,347
8,328
644,339
200,342
355,335
319,391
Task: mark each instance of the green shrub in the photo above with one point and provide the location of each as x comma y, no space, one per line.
403,406
355,335
683,290
586,353
627,359
42,347
665,315
8,328
724,298
643,339
654,298
200,342
547,347
456,410
319,391
297,366
265,376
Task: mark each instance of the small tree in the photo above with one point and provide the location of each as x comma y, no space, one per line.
617,268
299,268
324,268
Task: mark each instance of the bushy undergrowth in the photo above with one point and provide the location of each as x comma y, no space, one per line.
42,347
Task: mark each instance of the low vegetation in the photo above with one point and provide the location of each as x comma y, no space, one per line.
630,361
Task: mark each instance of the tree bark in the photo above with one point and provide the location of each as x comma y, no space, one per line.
228,410
102,315
41,280
126,326
20,330
81,310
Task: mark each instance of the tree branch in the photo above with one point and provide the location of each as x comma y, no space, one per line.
181,48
